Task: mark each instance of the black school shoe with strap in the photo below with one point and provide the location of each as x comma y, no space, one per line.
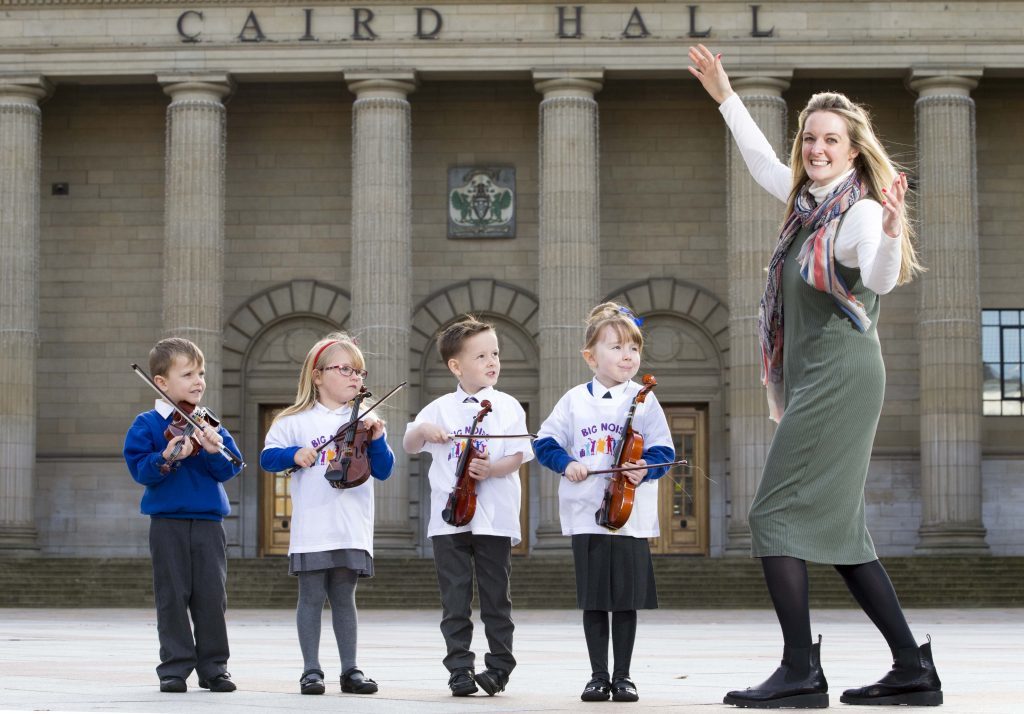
623,690
220,683
798,683
462,682
312,682
598,689
492,680
912,681
353,681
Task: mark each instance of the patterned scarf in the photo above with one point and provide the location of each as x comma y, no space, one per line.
817,267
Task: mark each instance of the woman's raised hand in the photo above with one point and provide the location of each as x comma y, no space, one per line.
892,206
708,69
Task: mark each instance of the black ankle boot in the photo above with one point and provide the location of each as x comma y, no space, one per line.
798,683
912,680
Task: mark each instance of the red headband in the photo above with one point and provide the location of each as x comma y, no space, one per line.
321,351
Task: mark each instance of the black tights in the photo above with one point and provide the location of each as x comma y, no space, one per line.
869,584
623,631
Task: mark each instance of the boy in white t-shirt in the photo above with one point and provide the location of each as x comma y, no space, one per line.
484,545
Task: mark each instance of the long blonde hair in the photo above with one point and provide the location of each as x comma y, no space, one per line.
319,355
619,318
873,165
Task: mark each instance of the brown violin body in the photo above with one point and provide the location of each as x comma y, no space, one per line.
617,505
351,465
180,426
461,506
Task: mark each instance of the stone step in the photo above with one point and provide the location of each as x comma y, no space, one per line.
537,582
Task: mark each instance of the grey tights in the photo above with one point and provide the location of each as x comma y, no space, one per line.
316,587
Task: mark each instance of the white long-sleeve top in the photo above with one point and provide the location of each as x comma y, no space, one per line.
861,242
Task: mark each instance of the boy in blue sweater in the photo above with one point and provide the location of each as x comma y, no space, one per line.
186,503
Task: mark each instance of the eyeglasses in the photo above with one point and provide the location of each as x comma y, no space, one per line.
347,371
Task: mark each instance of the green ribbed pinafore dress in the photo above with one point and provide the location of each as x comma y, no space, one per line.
810,500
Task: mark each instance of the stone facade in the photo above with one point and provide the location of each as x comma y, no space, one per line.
330,212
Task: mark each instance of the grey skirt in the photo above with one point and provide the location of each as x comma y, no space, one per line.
613,573
351,558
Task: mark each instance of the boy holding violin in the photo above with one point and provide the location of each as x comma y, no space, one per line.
183,475
474,501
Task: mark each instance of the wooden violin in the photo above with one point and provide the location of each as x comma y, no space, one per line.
180,426
351,465
345,428
619,493
461,506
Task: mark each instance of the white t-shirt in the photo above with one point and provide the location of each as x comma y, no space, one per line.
588,427
497,498
323,517
861,242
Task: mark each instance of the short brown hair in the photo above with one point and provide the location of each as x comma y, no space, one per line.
451,338
161,357
620,318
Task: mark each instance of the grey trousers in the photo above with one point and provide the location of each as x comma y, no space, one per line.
189,574
456,558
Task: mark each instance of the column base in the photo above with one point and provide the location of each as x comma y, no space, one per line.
550,541
952,540
18,542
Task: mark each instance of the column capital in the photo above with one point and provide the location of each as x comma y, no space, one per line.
24,88
958,81
207,86
771,84
393,84
569,81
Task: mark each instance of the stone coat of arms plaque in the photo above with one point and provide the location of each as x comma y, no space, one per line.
481,202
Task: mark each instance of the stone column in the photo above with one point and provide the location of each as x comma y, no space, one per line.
570,250
381,269
193,297
754,217
20,129
949,325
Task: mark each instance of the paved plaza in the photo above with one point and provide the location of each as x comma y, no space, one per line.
685,660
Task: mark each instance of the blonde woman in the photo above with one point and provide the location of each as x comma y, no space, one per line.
845,241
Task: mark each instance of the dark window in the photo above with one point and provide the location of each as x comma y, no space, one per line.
1002,336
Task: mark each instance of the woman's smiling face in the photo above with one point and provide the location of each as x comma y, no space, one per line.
827,152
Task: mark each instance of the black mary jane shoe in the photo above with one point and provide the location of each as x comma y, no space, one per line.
312,682
912,681
492,680
623,690
462,682
598,689
353,681
174,685
798,683
220,683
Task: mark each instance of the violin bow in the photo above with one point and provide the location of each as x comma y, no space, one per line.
491,436
224,451
343,430
680,462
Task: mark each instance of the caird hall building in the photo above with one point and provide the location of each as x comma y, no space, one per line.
251,175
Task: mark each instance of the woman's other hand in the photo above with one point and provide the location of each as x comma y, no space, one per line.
708,69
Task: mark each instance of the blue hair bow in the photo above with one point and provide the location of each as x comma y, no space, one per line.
638,321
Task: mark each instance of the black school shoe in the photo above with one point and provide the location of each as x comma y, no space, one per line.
598,689
462,683
173,684
492,680
353,681
623,690
221,683
312,682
